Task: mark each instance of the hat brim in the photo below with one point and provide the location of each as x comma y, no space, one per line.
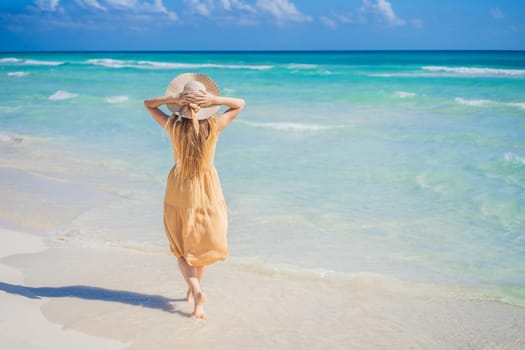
177,86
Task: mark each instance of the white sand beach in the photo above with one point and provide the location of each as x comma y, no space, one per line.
23,325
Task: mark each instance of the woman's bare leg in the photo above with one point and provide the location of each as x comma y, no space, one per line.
192,274
184,271
198,296
200,273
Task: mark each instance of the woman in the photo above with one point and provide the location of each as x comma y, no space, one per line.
195,215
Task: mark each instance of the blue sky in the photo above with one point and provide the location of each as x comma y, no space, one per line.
261,24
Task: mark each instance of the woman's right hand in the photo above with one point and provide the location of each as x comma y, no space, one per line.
180,99
201,98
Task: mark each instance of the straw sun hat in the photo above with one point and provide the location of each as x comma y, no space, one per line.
192,82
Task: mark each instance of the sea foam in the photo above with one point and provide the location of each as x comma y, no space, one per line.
106,62
10,139
514,159
302,66
483,102
30,62
475,103
520,105
405,94
17,74
476,70
42,63
112,63
292,127
10,60
169,65
62,95
117,99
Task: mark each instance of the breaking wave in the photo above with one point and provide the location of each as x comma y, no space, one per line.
112,63
475,103
520,105
513,159
483,71
117,99
10,60
292,127
405,94
30,62
17,74
62,95
483,103
302,66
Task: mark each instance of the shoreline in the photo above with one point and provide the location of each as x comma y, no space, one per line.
130,299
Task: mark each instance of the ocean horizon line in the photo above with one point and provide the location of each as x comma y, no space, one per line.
271,51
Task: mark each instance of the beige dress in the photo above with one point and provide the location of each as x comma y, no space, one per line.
195,214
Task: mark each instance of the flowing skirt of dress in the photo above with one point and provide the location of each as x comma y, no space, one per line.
196,218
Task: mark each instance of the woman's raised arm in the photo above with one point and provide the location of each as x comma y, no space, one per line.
236,105
153,104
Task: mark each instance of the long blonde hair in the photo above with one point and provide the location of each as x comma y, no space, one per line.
189,138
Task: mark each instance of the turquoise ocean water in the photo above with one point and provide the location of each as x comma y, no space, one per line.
407,164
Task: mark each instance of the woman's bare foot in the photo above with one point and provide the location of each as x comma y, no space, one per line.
198,311
189,296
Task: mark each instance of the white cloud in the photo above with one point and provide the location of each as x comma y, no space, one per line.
385,8
158,6
133,6
91,3
198,7
131,9
330,23
497,13
282,11
381,10
242,6
335,19
229,5
236,12
241,12
47,5
122,3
